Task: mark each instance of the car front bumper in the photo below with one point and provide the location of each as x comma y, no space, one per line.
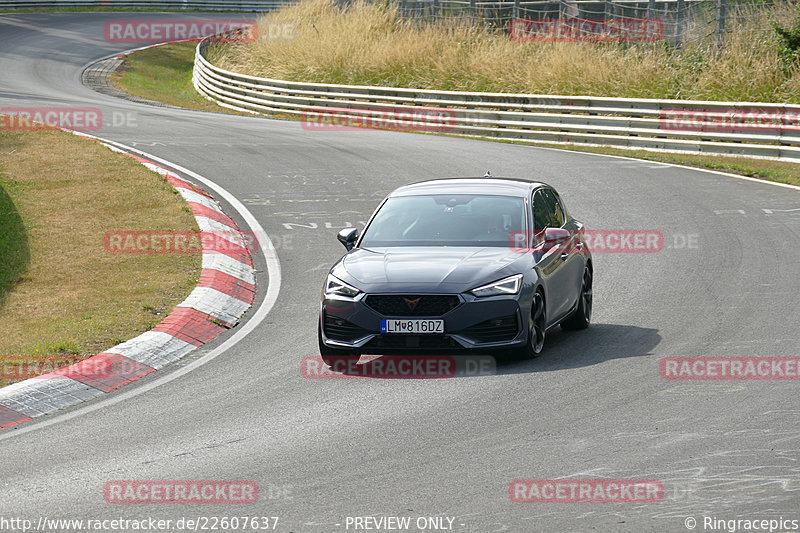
488,324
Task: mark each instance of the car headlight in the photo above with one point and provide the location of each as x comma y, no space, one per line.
509,285
336,287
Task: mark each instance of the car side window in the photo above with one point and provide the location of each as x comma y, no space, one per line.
554,207
547,212
561,205
541,215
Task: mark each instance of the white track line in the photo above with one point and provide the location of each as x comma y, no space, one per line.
708,170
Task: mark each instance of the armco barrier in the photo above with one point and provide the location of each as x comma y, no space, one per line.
618,122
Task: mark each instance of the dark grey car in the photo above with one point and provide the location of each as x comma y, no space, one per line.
456,265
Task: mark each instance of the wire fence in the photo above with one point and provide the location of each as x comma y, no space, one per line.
676,22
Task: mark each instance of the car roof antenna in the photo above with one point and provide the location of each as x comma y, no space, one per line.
487,175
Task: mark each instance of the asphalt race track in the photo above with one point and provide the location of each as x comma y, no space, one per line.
593,406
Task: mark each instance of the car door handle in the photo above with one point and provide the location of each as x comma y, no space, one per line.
564,256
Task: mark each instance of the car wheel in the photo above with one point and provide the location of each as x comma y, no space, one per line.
537,324
335,358
582,316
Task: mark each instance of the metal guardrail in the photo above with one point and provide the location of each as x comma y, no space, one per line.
175,5
616,122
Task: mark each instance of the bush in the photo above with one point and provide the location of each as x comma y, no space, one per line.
789,40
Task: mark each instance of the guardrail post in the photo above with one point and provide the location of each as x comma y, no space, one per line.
473,8
435,9
515,13
651,9
721,14
681,6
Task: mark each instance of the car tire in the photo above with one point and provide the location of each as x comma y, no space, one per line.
537,328
582,316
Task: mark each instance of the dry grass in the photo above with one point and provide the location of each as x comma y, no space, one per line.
372,45
73,299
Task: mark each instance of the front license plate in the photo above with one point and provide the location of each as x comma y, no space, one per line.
413,325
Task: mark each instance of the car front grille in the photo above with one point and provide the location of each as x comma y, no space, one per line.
412,304
493,330
341,330
415,342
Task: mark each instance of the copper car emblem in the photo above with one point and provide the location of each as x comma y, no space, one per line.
412,304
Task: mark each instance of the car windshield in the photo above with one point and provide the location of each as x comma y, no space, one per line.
446,220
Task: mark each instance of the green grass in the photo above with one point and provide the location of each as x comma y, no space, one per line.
163,74
15,254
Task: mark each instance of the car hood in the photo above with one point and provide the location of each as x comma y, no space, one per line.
428,266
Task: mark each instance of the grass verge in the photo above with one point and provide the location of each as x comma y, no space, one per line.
62,297
14,249
163,74
764,169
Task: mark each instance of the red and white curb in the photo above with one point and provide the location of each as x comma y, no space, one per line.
225,291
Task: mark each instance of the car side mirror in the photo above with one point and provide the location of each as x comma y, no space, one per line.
348,237
555,237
